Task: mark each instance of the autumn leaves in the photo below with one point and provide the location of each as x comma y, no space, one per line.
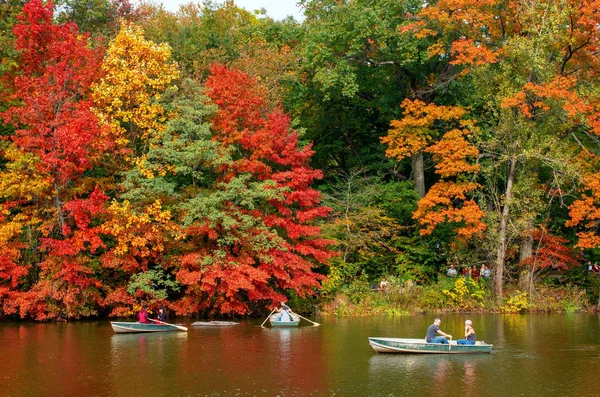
124,184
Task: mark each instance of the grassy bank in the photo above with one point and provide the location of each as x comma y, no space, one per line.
452,295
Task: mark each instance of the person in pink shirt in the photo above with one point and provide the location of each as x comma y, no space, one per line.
143,316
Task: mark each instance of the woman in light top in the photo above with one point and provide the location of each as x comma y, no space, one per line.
469,334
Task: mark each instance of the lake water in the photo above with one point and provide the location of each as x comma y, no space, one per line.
533,355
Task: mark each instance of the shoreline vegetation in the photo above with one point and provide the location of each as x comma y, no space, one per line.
454,295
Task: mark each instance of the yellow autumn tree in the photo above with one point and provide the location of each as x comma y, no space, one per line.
136,73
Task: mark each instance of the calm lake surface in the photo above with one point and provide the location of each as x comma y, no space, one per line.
533,355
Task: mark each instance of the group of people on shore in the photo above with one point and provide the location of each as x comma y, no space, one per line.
434,330
469,272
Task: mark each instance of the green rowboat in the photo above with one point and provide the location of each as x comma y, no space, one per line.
405,345
275,323
130,328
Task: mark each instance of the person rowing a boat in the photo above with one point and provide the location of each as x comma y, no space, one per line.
284,312
469,334
433,330
162,315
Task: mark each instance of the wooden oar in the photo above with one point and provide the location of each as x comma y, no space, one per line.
315,324
273,311
179,327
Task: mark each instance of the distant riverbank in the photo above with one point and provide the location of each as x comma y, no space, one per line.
454,295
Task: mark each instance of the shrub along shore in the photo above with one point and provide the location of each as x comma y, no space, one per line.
454,295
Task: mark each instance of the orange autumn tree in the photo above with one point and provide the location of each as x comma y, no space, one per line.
443,132
585,212
532,66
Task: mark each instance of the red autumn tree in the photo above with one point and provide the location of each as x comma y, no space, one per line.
50,204
263,241
550,252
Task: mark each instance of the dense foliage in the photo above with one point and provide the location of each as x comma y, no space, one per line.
215,161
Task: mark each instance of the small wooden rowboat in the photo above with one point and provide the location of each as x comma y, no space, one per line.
130,328
404,345
276,323
214,324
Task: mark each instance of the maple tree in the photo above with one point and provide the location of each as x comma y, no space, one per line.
550,252
253,235
136,74
48,202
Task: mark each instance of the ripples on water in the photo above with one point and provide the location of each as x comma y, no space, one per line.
533,355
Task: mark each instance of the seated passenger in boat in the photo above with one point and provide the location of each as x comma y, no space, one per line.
284,312
434,330
143,316
469,334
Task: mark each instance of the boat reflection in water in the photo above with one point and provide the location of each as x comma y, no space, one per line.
429,374
149,356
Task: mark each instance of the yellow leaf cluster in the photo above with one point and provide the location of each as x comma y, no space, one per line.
139,234
21,179
136,72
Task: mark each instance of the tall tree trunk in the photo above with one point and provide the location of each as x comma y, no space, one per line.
499,274
526,252
419,173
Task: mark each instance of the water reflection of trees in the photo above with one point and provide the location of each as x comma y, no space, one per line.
53,359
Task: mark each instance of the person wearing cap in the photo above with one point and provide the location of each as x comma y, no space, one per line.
469,334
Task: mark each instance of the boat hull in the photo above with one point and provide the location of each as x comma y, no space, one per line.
419,346
214,324
285,323
134,328
294,323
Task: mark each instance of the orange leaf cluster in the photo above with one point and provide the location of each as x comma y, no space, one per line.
585,212
419,130
448,202
535,98
415,131
551,251
452,152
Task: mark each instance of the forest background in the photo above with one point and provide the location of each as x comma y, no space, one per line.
216,161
